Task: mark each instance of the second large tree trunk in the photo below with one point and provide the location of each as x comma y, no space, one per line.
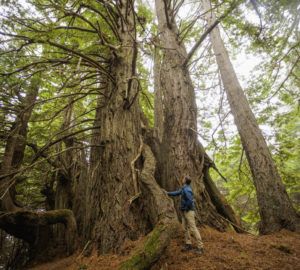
275,207
181,153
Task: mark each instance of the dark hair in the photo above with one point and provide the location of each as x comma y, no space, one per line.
187,180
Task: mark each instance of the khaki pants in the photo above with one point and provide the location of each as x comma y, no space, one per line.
188,223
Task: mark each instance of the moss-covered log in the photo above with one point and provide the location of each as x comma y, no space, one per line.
25,224
34,228
161,213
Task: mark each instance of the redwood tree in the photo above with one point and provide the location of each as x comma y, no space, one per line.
275,207
118,199
181,153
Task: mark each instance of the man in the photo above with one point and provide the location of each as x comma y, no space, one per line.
188,218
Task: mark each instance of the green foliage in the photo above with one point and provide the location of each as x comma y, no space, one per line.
62,51
239,190
287,152
145,18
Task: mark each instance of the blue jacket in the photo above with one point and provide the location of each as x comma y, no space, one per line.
187,200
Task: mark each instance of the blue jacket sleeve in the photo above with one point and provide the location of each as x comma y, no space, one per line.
175,193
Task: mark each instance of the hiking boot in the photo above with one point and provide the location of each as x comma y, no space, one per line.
187,248
199,250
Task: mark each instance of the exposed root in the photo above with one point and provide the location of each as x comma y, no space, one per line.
133,171
161,213
155,244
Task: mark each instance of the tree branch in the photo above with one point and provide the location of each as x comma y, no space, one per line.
206,33
199,42
167,15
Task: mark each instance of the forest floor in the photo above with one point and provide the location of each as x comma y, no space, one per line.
223,250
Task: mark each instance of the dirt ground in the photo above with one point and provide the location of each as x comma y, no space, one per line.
227,250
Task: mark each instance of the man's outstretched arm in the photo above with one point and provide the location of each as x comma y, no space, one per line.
174,193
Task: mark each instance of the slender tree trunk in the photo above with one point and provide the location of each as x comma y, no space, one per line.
67,177
64,187
181,152
15,147
275,207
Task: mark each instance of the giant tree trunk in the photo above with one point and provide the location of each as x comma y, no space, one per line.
112,217
275,207
181,152
15,147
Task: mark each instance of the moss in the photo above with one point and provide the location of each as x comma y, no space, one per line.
151,251
143,257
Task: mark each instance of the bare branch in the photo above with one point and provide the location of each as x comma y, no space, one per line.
287,77
206,33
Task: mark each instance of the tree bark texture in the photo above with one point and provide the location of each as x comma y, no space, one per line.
158,97
112,217
275,207
181,153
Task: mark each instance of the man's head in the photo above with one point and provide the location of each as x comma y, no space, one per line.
186,181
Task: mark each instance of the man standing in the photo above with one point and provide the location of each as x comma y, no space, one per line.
188,218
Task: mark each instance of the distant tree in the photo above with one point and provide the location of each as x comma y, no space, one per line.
275,207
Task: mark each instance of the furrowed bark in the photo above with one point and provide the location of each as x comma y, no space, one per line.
112,216
158,97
